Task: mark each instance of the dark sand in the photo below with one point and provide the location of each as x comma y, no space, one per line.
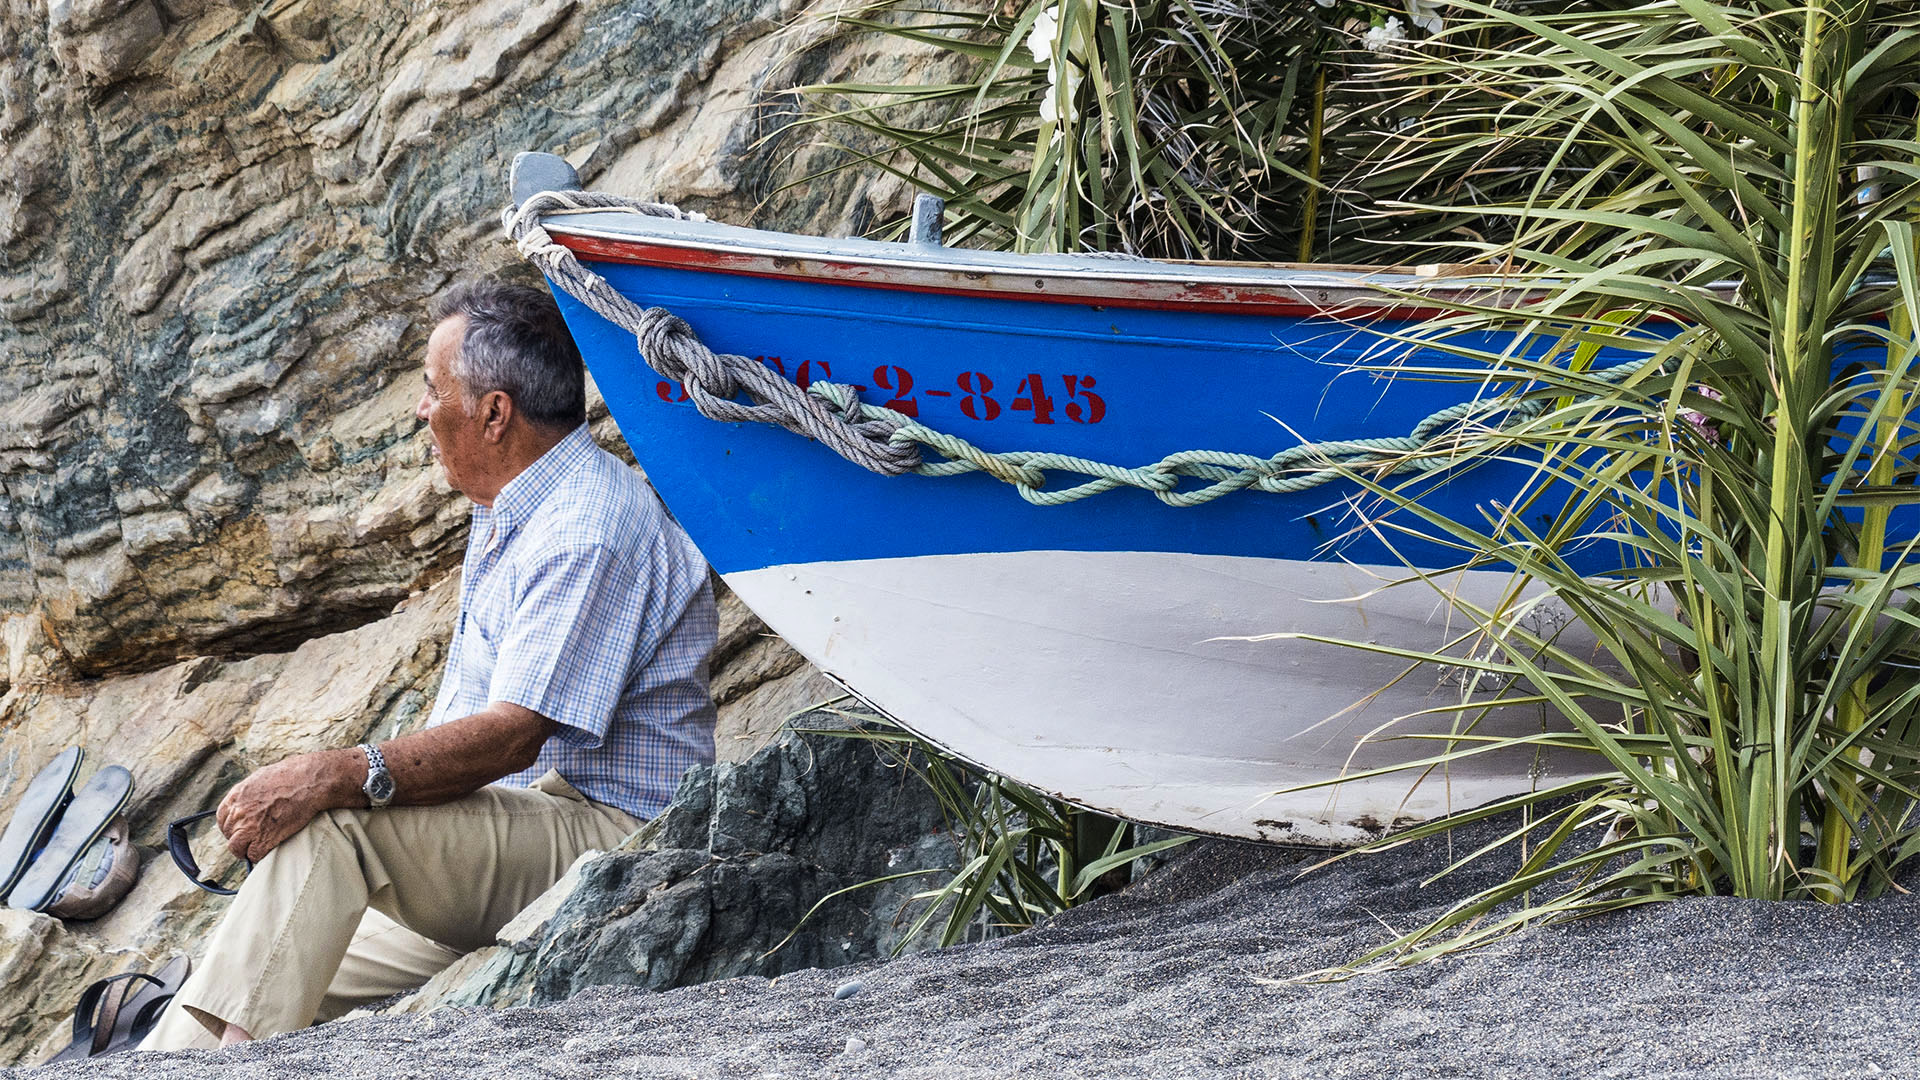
1164,980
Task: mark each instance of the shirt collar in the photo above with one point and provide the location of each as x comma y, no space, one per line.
523,494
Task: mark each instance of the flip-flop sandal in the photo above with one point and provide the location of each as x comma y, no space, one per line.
142,1008
93,808
98,1013
147,1016
33,820
144,1021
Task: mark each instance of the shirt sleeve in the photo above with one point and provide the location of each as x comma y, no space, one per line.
578,623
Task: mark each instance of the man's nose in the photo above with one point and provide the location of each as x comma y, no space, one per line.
420,407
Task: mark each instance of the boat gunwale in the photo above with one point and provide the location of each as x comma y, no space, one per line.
1239,288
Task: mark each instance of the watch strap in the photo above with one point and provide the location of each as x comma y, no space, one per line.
376,772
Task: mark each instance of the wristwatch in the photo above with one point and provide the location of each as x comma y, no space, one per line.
379,785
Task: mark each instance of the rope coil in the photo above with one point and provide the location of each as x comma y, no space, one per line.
891,444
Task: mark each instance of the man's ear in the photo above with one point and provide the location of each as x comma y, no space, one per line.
496,413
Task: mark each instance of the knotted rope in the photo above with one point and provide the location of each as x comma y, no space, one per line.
713,381
890,443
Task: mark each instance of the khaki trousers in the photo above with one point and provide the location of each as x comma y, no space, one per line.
364,904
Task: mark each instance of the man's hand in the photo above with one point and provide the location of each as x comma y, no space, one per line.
279,800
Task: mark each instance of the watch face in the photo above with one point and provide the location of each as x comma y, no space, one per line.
380,787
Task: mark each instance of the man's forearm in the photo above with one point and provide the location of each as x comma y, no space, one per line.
432,766
443,763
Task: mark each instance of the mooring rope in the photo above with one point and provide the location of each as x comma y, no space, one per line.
669,346
890,443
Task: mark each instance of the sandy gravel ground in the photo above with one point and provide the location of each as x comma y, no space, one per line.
1165,981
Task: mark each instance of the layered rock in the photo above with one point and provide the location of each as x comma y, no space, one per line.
726,882
218,225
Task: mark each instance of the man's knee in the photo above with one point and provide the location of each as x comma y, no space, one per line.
330,833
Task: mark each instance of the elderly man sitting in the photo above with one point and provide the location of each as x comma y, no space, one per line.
575,694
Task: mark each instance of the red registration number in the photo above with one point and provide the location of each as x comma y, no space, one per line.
1071,396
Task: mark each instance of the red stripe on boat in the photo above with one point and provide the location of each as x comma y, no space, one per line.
1159,295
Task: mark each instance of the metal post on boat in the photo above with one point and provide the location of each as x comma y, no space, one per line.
928,220
534,173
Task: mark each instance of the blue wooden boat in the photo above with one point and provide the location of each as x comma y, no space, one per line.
1088,649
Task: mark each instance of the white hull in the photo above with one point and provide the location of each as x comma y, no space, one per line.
1106,676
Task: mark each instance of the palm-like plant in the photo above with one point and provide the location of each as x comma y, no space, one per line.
1746,225
1174,128
1213,129
1726,188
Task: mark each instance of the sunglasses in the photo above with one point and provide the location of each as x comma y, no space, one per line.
180,846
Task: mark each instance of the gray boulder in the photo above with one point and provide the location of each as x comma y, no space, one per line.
716,887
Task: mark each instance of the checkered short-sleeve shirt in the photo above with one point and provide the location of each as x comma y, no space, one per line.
584,602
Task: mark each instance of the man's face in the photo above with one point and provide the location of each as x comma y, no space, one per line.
457,436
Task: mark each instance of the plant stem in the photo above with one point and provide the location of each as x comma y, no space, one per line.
1310,212
1793,363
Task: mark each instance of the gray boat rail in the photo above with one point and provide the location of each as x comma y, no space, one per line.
1094,279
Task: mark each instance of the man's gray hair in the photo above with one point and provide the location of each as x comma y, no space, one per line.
517,342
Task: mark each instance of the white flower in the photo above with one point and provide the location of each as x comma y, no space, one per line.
1425,15
1046,32
1045,29
1384,37
1056,92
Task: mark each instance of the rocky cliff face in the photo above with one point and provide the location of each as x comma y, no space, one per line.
218,223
